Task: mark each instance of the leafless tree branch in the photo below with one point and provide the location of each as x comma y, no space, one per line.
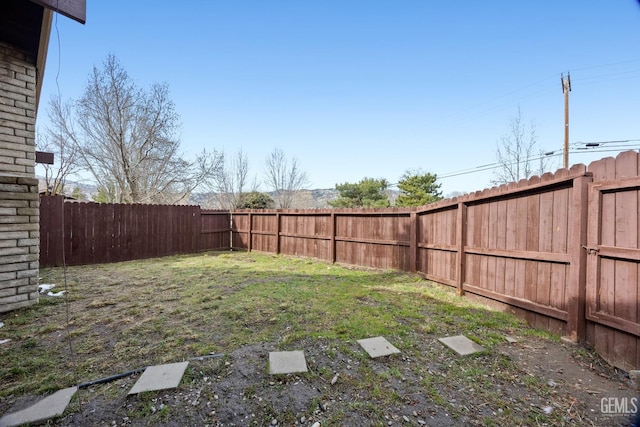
126,139
518,155
283,178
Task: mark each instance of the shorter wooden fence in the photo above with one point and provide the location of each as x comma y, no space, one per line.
367,237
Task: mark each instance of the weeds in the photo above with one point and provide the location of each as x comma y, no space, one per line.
134,314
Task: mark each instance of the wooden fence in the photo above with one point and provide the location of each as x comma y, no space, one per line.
367,237
512,244
561,250
103,233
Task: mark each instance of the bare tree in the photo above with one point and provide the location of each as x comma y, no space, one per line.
231,182
284,178
54,139
126,138
518,155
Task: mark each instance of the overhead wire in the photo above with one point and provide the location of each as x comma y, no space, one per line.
617,146
603,78
72,354
495,165
619,73
596,82
490,107
551,85
606,65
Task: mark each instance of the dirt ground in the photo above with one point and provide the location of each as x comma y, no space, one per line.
236,390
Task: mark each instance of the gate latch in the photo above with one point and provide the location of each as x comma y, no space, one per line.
590,250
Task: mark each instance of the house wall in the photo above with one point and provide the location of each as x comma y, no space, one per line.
19,210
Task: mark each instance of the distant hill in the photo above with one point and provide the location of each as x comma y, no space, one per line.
319,198
315,199
307,199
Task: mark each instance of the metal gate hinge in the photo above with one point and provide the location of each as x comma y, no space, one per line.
590,250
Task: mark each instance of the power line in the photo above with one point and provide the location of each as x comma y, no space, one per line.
548,154
606,142
598,77
607,65
493,166
606,150
540,87
589,147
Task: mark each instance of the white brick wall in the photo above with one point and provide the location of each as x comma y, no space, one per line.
19,241
17,113
19,203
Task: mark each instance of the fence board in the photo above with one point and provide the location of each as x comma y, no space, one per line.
493,283
532,244
559,244
626,273
504,280
521,285
484,243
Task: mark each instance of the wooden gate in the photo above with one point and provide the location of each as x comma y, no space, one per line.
613,327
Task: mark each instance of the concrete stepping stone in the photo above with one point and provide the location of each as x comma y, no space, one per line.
461,345
511,340
49,407
287,362
160,377
377,347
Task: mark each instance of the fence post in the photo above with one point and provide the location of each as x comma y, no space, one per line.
250,232
197,227
52,236
332,243
277,233
577,283
461,232
413,242
231,230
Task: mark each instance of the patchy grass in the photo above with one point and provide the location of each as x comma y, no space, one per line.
128,315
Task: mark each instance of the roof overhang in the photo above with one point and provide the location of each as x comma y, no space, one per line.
74,9
26,24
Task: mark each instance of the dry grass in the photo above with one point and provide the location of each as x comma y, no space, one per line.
134,314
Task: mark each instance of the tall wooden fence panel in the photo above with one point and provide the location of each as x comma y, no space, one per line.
438,243
378,238
514,244
255,230
305,234
613,285
102,233
214,230
374,238
51,236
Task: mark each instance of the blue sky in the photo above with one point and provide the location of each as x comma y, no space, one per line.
357,89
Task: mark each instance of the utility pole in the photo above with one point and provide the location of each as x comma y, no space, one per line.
566,88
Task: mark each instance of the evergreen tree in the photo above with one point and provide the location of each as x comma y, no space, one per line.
368,193
418,189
